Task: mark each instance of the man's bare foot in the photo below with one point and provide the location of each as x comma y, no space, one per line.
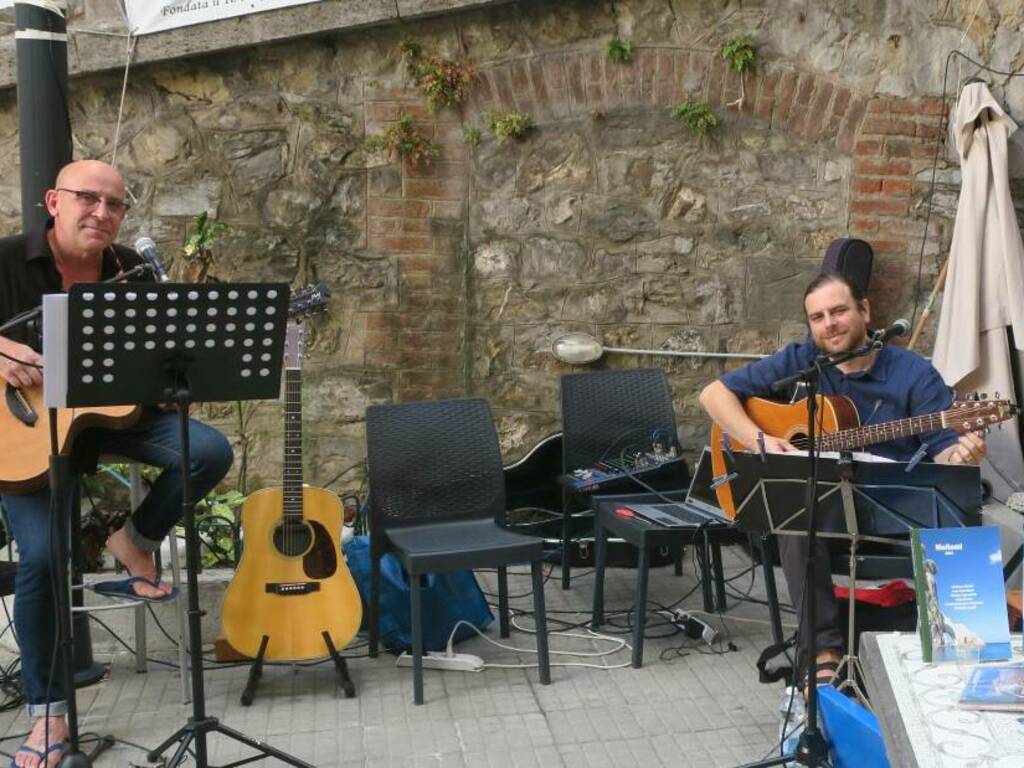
828,661
138,562
46,732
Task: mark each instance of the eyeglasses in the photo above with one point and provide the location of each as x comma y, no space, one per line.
89,199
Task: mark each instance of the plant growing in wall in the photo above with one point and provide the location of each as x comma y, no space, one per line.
471,135
697,116
197,253
620,51
512,124
443,82
404,140
741,56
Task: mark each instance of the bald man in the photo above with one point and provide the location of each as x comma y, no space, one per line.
86,209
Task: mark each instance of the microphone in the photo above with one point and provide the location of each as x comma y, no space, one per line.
147,250
899,328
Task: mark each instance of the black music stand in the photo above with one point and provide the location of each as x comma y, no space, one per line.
877,501
167,343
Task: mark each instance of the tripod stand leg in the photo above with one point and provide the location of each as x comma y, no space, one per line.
255,673
261,747
345,683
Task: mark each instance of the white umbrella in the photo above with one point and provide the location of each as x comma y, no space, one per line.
985,286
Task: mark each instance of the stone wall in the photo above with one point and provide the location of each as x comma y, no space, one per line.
608,217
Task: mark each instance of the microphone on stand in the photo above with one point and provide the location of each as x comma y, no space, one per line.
900,327
146,248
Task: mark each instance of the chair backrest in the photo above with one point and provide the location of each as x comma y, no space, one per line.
607,412
433,462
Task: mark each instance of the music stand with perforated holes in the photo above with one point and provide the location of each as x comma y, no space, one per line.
168,343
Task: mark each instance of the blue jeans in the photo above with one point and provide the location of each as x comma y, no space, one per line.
157,443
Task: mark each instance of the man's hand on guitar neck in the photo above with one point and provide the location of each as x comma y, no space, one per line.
15,371
969,449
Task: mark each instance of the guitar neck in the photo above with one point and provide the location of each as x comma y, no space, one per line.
859,437
293,444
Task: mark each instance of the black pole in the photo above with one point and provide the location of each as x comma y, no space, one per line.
44,126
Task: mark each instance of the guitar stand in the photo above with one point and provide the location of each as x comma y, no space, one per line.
344,682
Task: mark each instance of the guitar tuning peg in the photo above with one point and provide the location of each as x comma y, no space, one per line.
984,396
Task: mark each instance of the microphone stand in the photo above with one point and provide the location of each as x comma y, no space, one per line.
812,749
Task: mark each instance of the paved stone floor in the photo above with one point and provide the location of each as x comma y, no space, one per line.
686,708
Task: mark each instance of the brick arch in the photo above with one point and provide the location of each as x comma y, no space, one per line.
419,219
891,140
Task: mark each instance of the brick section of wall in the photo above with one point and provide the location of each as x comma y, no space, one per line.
894,142
417,220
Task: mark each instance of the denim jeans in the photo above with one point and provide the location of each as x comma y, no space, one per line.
156,442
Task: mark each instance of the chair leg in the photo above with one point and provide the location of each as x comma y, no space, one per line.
503,602
373,617
566,542
640,607
416,617
600,559
540,621
719,574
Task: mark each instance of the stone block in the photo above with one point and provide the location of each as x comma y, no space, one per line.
619,221
188,199
775,287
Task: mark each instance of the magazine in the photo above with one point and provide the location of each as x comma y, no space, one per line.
996,686
961,597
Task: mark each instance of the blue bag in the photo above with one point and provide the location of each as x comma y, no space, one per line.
447,599
853,734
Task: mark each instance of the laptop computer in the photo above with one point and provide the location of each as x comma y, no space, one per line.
700,507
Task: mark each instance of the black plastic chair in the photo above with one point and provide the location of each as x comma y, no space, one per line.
437,500
605,413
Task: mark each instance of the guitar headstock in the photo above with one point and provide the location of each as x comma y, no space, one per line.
303,303
308,300
977,413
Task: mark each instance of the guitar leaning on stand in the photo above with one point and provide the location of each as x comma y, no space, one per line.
292,597
842,431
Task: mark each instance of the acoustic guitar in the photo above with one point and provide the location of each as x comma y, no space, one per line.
292,583
841,429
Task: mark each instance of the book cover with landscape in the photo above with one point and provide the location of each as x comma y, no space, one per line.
995,686
961,597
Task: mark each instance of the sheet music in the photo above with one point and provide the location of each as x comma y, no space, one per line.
941,735
857,456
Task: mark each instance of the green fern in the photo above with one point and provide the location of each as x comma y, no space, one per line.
620,50
696,116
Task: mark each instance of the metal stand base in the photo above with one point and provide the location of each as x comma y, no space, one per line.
345,686
197,730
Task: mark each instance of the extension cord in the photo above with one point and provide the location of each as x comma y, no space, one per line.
694,628
459,662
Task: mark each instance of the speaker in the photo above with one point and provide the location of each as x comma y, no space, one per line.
851,258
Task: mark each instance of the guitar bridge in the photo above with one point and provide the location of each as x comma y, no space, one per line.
293,588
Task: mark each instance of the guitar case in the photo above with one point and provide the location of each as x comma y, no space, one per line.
852,258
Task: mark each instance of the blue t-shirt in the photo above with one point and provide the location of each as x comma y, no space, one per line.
899,384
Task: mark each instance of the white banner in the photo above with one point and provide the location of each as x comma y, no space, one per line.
147,16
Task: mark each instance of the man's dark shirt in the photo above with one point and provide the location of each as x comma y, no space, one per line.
899,384
28,272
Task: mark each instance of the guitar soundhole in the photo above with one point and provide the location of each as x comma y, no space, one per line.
293,539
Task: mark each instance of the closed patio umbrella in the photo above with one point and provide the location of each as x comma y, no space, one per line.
984,295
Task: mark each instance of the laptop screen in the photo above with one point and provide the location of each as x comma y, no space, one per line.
700,494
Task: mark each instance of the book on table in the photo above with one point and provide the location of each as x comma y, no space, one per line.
961,597
994,686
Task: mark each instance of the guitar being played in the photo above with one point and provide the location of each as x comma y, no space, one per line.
86,208
888,385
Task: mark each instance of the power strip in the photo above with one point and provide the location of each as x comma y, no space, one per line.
459,662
